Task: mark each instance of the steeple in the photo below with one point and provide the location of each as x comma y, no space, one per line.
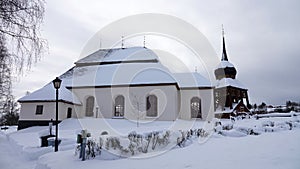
224,54
225,69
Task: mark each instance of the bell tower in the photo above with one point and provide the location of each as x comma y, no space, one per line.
231,95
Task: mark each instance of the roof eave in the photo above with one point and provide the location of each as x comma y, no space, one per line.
60,100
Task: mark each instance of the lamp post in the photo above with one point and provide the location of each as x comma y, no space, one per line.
56,84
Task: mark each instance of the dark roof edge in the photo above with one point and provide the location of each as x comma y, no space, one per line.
60,100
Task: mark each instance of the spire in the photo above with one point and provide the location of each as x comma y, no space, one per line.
224,54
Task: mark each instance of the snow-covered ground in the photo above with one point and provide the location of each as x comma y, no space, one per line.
275,147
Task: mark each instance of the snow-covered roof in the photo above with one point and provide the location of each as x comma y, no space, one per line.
119,55
119,74
228,110
129,66
186,80
224,64
225,82
47,93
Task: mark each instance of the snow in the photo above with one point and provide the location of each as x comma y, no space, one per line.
227,110
47,93
103,75
142,67
114,75
120,74
224,64
227,148
225,82
290,114
119,54
191,80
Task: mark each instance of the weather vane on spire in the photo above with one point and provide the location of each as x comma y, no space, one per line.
223,32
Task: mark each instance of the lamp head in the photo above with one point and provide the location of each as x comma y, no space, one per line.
56,83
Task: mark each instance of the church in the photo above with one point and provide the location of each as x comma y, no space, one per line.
131,83
128,83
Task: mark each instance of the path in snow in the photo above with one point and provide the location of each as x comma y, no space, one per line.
11,157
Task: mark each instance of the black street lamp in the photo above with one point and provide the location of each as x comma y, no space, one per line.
56,84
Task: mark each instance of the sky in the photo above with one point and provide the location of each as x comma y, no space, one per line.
262,38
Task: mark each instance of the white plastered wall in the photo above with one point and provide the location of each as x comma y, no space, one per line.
28,110
104,100
207,102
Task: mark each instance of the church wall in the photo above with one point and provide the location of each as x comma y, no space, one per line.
134,97
207,103
28,111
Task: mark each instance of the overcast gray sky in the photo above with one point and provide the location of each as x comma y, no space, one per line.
262,38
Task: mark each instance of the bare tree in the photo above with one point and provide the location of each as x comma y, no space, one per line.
11,112
137,104
5,76
20,22
20,42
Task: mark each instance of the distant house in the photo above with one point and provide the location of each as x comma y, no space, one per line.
128,83
231,96
281,108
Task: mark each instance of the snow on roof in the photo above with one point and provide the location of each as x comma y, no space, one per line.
229,82
153,75
224,64
47,93
191,80
119,74
119,54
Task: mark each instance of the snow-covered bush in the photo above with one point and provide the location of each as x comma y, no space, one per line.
92,149
135,143
247,131
268,124
112,142
227,126
202,133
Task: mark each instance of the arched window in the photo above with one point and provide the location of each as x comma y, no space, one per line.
119,106
151,107
69,112
196,107
89,109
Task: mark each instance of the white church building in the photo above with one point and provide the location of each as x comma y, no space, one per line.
129,83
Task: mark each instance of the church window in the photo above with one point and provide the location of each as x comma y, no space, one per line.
119,106
89,109
151,106
195,107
